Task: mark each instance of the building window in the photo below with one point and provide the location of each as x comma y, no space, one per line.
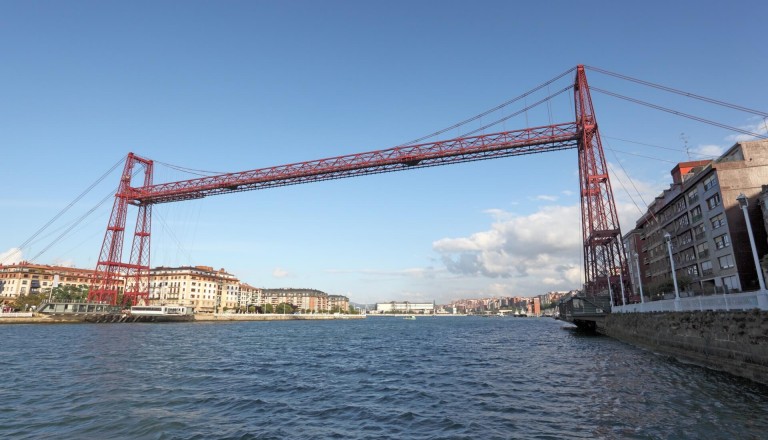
722,241
699,231
696,214
731,283
706,267
682,221
710,182
692,270
693,197
685,238
714,201
726,261
717,221
703,250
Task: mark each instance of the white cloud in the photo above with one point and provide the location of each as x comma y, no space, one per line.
416,272
755,125
280,273
11,256
517,246
531,254
632,196
64,263
546,198
704,152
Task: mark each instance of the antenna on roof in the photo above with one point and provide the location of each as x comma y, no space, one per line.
685,141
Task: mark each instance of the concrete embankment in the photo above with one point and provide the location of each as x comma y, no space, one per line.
271,317
735,342
225,317
23,318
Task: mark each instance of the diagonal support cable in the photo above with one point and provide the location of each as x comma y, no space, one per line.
678,113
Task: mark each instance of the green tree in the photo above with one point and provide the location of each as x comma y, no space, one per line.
23,302
69,293
284,308
268,308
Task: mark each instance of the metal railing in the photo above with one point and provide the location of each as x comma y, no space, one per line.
735,301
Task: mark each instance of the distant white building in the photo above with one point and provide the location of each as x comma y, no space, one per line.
405,307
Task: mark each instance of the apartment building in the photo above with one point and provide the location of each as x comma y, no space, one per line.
338,302
249,296
202,287
28,278
405,307
307,300
700,218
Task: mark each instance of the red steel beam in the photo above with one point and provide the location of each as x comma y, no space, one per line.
466,149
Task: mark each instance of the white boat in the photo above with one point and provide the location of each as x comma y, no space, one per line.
161,311
410,318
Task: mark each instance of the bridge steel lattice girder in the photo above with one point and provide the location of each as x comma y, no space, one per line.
603,253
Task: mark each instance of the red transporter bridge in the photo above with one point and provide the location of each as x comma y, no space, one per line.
605,267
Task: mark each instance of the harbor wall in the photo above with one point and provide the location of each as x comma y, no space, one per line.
224,317
270,317
735,342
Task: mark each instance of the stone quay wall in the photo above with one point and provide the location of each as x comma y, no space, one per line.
735,342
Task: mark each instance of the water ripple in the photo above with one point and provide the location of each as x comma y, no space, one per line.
448,378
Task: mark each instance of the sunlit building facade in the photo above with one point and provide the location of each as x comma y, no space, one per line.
699,217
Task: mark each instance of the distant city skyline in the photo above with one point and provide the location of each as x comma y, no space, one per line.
238,86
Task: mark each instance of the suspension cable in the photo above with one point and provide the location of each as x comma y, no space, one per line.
708,156
679,92
79,220
202,173
63,211
675,112
487,112
525,109
205,173
72,226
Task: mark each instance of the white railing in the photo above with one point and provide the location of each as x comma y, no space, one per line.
734,301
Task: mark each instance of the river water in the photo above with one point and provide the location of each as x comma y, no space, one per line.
378,378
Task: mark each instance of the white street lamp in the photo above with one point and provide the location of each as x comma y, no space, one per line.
608,278
743,203
639,279
621,281
668,239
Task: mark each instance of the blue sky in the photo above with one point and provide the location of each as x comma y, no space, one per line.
231,86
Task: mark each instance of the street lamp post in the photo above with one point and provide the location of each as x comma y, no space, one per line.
668,239
639,279
743,203
621,281
610,291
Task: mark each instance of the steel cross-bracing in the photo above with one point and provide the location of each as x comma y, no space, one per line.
603,259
